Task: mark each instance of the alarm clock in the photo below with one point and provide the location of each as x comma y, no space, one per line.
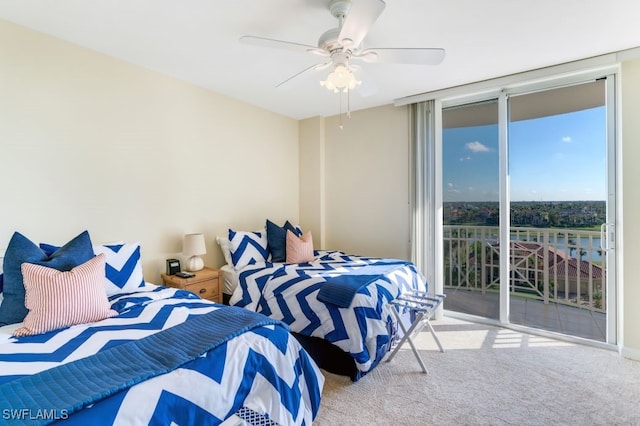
173,266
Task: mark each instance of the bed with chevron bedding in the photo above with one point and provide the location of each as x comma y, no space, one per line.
137,353
334,297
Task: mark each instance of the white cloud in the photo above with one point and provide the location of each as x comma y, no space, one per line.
567,139
451,187
465,158
476,147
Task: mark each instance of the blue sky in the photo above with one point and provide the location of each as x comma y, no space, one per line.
555,158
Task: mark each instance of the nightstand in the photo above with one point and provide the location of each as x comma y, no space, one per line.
205,284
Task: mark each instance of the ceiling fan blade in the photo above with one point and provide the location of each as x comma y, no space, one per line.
279,44
414,56
315,67
361,16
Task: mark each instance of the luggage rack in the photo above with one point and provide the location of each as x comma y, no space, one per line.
422,305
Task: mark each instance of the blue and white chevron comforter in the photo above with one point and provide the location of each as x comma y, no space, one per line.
289,292
260,368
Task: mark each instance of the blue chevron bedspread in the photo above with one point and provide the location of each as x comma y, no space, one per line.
247,364
289,292
341,289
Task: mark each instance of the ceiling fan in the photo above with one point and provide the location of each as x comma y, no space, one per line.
343,44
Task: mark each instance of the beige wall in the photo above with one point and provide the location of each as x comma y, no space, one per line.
366,198
312,178
91,142
631,206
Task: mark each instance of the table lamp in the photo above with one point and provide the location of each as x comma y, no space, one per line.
193,246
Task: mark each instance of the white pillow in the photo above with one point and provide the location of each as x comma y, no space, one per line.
225,246
248,248
123,267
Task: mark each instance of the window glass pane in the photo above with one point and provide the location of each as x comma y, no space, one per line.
471,211
557,170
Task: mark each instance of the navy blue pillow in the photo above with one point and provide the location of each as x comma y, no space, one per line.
48,249
20,250
289,227
277,240
1,282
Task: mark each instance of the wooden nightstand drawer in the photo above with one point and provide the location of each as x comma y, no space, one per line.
205,284
205,289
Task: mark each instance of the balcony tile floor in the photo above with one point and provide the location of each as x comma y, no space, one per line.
531,313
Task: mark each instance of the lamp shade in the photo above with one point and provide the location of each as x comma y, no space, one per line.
193,244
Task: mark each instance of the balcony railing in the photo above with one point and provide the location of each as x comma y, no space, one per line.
564,266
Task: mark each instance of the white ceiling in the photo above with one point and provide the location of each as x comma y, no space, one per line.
197,41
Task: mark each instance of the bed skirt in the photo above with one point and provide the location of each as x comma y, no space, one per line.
328,356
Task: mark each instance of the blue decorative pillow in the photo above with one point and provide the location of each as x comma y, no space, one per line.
295,229
48,249
248,248
20,250
1,282
277,239
123,267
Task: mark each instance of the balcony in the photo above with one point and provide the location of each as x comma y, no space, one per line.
557,277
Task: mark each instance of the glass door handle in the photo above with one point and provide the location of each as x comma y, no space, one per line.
607,236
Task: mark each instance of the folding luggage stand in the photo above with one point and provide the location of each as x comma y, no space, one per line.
422,305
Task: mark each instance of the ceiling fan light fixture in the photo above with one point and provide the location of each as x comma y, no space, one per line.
340,79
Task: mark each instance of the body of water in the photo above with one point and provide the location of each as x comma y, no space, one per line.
590,247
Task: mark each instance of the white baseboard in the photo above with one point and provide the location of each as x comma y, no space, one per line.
631,353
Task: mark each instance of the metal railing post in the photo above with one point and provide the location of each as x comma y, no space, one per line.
545,267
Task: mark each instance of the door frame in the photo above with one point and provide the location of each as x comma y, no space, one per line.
532,81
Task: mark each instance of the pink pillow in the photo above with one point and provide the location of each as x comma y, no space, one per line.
57,299
299,249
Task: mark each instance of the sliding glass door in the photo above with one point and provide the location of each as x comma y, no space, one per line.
470,197
528,190
558,193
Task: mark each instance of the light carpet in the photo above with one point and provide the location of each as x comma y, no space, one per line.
489,376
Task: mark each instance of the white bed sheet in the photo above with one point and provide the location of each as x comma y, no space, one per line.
230,279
